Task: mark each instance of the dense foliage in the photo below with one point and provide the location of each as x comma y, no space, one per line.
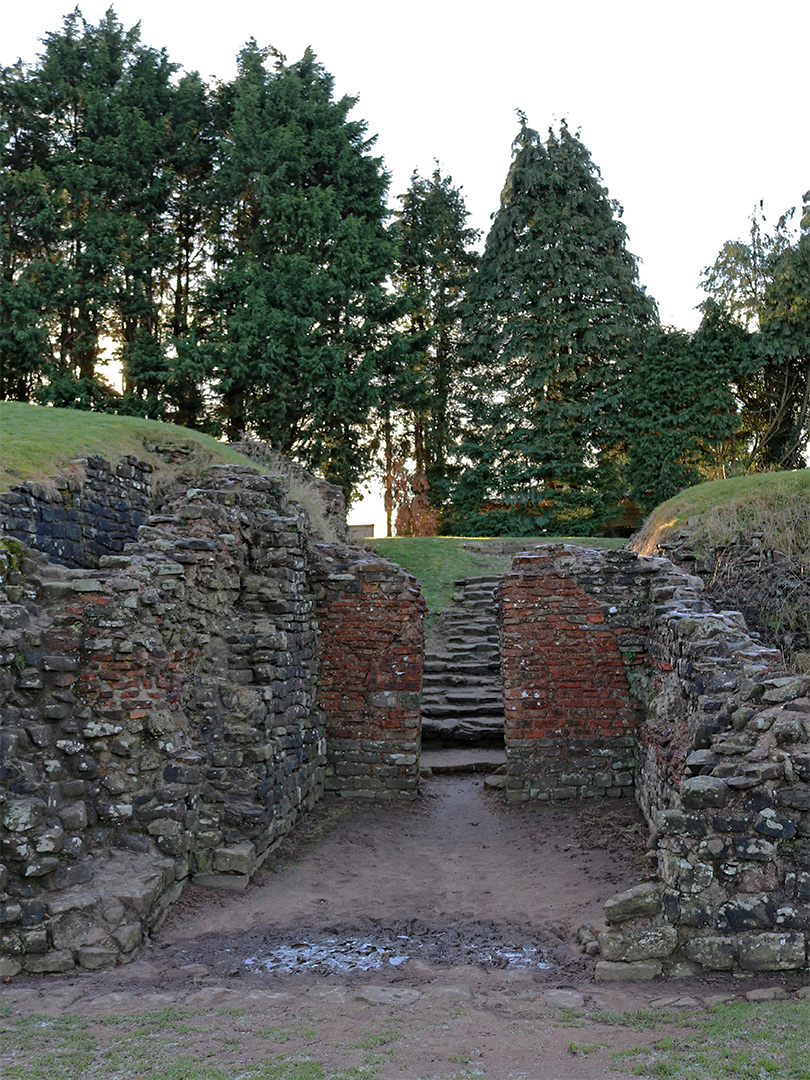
230,247
230,243
555,317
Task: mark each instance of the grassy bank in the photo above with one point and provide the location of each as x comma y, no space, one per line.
38,442
774,506
437,561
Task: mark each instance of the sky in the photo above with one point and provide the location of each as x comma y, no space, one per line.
693,111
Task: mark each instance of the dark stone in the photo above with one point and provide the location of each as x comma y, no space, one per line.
752,848
730,824
772,823
746,913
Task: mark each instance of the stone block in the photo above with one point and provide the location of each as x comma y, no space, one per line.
698,792
610,971
714,953
52,963
231,882
645,943
128,937
639,902
236,859
96,957
772,952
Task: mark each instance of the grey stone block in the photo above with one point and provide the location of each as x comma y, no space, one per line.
645,943
638,902
773,952
609,971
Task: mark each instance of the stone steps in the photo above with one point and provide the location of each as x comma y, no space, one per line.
462,703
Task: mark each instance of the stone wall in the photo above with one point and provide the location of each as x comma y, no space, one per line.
93,511
573,626
724,779
599,647
327,503
159,721
370,672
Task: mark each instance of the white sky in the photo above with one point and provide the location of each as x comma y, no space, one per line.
693,111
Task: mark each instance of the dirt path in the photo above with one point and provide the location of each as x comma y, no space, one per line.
444,930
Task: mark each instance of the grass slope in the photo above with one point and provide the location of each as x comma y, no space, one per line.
438,561
37,443
722,510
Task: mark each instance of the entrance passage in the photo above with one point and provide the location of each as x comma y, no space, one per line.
462,702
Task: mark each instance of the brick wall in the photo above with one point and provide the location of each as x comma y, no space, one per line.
371,652
94,511
572,639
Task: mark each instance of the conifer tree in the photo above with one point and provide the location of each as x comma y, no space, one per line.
301,257
435,261
679,410
555,313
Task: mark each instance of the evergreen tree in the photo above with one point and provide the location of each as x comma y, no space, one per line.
435,260
301,257
83,137
555,314
679,412
763,285
29,230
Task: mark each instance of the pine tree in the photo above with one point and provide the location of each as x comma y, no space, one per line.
435,261
555,314
679,410
301,256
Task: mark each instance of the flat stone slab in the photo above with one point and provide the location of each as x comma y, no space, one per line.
766,993
388,995
449,992
564,999
463,759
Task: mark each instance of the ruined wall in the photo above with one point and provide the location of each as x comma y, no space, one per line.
722,743
330,498
370,672
159,713
159,721
78,518
724,779
573,626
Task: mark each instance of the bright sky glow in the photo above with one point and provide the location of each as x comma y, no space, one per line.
693,111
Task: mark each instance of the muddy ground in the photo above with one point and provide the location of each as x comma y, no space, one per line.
441,932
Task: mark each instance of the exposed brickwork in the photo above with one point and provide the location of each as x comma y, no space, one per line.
95,511
370,672
570,631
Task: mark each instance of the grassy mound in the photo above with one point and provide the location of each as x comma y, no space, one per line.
437,561
39,443
751,538
775,507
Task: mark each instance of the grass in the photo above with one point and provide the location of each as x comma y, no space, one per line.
738,1041
438,561
725,509
148,1046
38,441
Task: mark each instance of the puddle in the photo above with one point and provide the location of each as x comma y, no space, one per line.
332,955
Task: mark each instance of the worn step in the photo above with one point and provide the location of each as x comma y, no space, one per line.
459,710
